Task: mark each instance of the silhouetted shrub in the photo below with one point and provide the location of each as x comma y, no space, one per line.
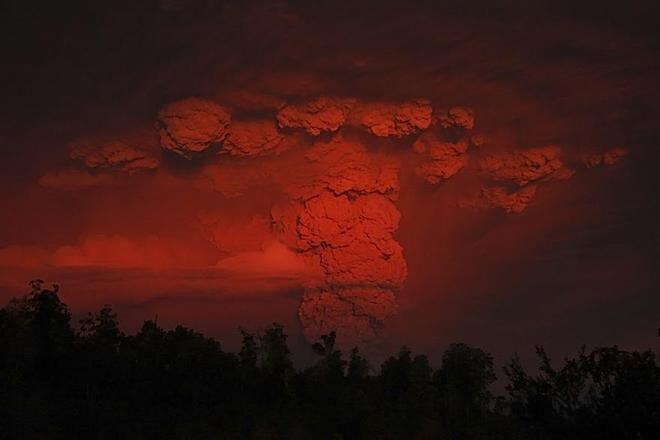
96,382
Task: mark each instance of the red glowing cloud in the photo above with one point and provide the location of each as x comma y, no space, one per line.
332,222
353,175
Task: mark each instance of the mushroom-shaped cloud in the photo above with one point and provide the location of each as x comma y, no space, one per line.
192,125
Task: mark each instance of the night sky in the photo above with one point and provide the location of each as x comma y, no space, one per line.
415,172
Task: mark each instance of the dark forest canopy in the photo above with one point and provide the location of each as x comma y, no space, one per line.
57,381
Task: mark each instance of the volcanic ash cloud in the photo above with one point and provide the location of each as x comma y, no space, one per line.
445,159
330,223
126,153
395,119
343,219
191,126
523,167
252,139
319,115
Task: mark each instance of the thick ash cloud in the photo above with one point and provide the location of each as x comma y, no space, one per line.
341,217
442,159
457,117
516,173
337,224
125,154
523,167
334,233
385,119
345,166
324,114
358,313
564,84
527,170
353,239
498,197
253,138
192,125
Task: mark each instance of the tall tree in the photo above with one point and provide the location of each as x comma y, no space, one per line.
464,397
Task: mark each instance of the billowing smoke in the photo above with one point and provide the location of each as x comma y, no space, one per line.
341,216
253,138
388,119
331,169
129,153
317,116
192,126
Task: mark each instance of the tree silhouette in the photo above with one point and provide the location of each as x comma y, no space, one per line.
96,382
463,383
607,393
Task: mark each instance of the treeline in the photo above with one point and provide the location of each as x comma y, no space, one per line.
94,382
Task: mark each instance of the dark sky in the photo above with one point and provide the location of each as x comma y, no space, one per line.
579,265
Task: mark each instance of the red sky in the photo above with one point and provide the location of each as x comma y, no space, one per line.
195,241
